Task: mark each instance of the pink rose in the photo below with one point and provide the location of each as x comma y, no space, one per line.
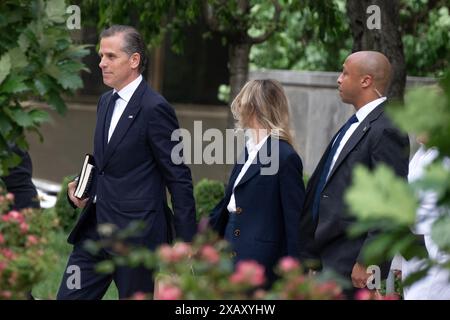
16,215
139,296
10,197
181,250
288,264
363,294
6,294
24,227
8,254
165,253
248,272
210,254
167,291
32,240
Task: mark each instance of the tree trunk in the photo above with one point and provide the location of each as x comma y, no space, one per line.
387,39
239,62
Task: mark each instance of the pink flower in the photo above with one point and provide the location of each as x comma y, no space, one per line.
139,296
165,253
6,294
288,264
2,239
32,240
181,250
8,254
10,197
363,294
167,291
210,254
16,215
3,266
329,288
24,227
248,272
5,218
13,278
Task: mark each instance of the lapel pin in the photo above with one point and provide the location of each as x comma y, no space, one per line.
365,128
130,116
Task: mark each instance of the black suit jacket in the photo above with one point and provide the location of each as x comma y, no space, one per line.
134,169
269,207
375,141
19,182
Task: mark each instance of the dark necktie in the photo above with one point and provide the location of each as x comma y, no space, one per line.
327,164
109,113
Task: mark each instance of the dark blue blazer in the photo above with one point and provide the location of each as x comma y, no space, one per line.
268,208
19,182
134,169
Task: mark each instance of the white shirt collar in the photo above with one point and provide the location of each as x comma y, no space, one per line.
362,113
126,92
250,143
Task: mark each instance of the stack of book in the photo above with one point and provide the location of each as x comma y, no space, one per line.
85,177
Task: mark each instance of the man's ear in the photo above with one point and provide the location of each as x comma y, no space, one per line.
135,59
366,81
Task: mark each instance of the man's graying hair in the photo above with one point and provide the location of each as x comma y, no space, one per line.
133,42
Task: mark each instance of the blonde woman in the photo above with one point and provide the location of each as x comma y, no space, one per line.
260,212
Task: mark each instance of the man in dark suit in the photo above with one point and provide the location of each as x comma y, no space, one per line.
369,139
19,183
132,151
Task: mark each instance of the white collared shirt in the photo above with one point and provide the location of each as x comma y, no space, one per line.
361,114
125,95
252,149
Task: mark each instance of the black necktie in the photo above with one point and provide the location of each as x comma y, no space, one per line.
327,165
109,113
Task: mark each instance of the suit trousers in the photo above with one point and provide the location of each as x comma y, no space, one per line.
93,285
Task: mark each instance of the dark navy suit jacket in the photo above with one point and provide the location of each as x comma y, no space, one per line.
268,208
134,169
19,182
375,141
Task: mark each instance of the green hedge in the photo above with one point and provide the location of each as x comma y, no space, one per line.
207,195
66,214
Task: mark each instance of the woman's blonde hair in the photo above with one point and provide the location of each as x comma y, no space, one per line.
267,101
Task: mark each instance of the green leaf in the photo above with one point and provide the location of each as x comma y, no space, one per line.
5,126
21,117
70,81
14,84
56,10
56,102
38,116
23,42
381,195
5,66
105,267
440,232
19,59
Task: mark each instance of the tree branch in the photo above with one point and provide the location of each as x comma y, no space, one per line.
211,18
269,32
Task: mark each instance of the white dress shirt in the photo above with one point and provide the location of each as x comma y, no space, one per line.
125,95
121,103
252,149
361,114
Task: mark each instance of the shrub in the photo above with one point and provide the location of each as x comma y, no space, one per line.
207,195
66,214
24,253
